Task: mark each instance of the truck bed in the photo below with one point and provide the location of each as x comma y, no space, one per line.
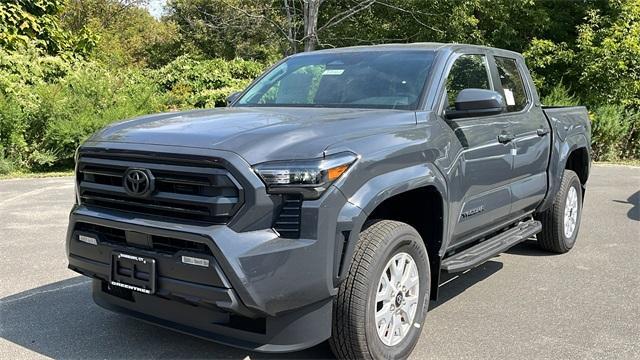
568,120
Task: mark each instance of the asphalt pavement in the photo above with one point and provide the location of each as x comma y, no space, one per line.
524,304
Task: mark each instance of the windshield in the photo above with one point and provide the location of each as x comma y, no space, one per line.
371,79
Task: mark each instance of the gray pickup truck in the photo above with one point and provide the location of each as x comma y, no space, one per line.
325,201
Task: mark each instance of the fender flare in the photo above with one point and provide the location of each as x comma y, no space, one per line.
369,196
558,161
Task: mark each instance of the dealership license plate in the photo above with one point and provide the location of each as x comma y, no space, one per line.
133,272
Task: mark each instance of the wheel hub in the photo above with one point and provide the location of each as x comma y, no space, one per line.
570,212
397,299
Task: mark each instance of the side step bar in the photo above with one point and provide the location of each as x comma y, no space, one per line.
489,248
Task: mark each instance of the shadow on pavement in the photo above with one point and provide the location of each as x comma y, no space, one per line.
452,285
529,248
634,200
60,320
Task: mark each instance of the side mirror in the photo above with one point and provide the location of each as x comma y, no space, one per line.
233,97
477,102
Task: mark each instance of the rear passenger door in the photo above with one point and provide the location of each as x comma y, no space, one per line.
482,174
530,131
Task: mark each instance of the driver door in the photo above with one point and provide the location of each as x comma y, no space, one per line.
482,173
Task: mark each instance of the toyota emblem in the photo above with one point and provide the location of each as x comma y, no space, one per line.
138,182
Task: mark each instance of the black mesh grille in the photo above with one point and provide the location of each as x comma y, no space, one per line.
159,243
172,246
185,189
110,235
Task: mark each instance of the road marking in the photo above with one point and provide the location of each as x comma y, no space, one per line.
84,282
35,192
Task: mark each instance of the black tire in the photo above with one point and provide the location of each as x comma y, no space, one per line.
552,237
354,332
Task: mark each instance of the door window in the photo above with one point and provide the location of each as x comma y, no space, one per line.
513,89
468,72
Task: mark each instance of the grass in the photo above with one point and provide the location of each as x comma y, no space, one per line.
619,162
25,175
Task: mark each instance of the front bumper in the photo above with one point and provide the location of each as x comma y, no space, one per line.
260,291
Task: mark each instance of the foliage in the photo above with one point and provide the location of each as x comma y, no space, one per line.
609,52
602,65
227,28
232,28
6,166
609,125
560,96
50,106
550,64
44,119
129,35
204,83
25,22
69,67
629,144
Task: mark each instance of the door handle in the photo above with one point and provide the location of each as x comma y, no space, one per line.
542,131
505,138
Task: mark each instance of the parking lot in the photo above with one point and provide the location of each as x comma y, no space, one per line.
522,304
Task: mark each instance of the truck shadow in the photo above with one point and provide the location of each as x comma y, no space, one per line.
60,320
530,248
452,285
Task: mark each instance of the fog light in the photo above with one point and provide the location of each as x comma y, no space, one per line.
195,261
88,239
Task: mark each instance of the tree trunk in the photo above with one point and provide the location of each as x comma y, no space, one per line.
291,36
311,9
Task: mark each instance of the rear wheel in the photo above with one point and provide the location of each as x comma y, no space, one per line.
561,222
380,306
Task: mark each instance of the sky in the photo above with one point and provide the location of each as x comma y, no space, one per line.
155,7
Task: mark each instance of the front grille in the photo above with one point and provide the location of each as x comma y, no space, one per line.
186,189
160,244
172,245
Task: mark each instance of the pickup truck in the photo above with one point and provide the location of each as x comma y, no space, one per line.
325,201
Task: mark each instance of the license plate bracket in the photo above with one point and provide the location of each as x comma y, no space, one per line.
133,272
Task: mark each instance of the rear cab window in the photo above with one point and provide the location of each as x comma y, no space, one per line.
513,88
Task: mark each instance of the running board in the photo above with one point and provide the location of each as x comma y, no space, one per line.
489,248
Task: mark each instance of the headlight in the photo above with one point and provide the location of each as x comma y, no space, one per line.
307,177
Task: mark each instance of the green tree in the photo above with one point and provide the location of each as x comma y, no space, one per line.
551,64
129,35
37,23
608,47
227,28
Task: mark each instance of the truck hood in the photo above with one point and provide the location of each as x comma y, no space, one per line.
257,134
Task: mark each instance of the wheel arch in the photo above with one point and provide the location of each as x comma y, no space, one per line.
415,195
578,161
574,154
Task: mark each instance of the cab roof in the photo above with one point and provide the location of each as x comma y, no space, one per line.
427,46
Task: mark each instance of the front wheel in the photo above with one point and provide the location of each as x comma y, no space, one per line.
381,305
